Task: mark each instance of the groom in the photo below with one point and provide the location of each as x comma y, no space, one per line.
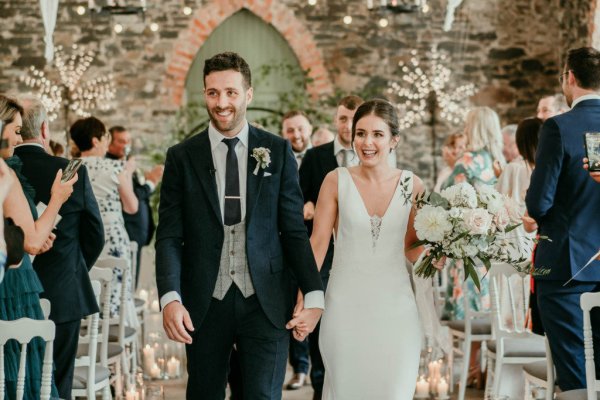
229,238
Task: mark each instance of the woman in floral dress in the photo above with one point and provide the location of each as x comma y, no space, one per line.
113,188
484,137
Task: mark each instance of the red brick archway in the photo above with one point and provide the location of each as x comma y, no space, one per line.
208,17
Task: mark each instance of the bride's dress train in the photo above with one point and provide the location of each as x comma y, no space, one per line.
370,335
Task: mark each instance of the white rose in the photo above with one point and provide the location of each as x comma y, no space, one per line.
431,223
478,221
495,204
502,219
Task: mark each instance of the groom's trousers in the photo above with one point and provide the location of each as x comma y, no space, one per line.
262,349
562,318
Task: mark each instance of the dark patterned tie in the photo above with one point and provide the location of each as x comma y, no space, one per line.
233,208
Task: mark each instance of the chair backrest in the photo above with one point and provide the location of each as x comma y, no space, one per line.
470,313
91,339
104,277
46,307
133,246
509,292
24,330
126,292
589,301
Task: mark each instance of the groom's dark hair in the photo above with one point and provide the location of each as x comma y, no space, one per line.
585,65
226,61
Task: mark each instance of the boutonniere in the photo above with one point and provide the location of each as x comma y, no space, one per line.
262,156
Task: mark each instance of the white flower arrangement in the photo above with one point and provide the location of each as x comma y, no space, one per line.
463,223
262,155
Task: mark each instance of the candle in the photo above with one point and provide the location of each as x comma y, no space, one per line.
155,307
442,388
173,367
148,358
422,387
155,371
143,295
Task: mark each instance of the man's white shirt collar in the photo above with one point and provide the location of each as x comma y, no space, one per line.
217,137
337,146
583,98
31,144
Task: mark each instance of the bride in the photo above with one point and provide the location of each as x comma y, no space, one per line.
370,330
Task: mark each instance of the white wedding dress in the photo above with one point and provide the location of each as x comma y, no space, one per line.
370,330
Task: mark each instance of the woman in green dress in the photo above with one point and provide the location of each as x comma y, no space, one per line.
475,166
20,289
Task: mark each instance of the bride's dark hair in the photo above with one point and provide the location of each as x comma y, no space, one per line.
380,108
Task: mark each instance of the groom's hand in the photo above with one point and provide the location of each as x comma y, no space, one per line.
176,320
304,323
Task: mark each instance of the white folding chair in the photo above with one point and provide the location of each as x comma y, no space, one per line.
514,343
46,307
90,377
24,330
540,374
592,392
118,332
476,327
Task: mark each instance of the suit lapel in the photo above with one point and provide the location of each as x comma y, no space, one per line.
253,182
201,159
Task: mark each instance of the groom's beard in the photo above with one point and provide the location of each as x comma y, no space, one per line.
229,123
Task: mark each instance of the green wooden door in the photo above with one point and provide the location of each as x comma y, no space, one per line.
271,60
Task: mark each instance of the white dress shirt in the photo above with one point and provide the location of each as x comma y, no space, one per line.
314,299
585,97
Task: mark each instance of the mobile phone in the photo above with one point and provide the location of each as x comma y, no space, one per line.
592,150
71,169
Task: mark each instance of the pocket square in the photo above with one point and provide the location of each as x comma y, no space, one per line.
266,174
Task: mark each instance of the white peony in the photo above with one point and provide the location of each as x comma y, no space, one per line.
478,221
460,195
431,223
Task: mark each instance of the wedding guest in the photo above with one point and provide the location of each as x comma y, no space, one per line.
139,225
56,149
552,105
514,183
112,184
509,148
296,128
454,146
475,166
20,289
321,136
63,270
563,200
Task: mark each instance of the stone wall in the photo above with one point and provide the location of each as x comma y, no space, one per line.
512,51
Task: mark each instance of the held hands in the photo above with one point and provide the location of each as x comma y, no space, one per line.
595,175
47,244
304,320
62,190
176,322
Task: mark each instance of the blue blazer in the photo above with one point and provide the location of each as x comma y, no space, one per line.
190,234
562,197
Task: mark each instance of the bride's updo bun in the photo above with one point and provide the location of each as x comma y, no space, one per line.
380,108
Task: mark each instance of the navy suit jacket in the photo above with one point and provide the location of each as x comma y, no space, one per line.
63,270
190,233
316,164
562,197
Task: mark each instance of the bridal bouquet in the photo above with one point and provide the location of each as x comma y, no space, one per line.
462,223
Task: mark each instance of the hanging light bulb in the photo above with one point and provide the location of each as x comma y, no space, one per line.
383,22
187,10
118,28
154,27
80,10
312,2
347,19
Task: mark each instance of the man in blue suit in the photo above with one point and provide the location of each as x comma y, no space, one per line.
565,202
230,236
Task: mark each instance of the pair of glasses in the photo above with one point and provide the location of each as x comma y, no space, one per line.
561,77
